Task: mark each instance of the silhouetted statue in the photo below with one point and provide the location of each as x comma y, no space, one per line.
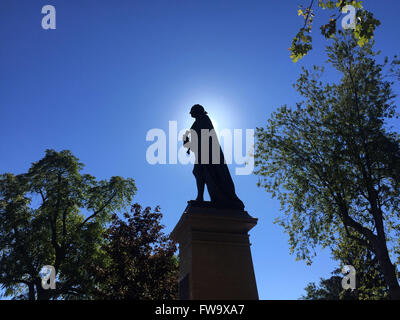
210,168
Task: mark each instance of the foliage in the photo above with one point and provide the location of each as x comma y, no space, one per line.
364,31
370,284
327,289
141,263
332,161
54,215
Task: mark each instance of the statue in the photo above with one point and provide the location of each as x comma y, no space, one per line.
210,168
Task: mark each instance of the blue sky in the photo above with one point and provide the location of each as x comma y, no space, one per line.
112,70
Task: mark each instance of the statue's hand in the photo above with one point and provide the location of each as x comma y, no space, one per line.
185,138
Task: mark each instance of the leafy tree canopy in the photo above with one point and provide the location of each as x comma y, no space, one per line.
55,215
333,162
363,32
369,284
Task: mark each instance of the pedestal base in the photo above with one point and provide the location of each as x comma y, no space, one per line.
214,254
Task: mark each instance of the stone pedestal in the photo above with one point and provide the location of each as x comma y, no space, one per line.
214,254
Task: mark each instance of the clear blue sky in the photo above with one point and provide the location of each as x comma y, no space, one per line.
112,70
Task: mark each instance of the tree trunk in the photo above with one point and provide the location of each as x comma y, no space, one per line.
31,287
41,293
389,270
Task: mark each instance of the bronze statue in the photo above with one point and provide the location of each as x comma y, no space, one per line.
210,168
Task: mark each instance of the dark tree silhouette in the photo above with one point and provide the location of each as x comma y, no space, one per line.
141,262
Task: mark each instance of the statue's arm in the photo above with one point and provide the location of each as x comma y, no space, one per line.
186,141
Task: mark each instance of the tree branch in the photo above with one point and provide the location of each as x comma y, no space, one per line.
100,210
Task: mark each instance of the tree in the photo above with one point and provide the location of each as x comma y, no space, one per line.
141,263
54,215
363,32
370,284
328,289
334,163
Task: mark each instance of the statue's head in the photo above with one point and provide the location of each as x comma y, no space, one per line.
197,110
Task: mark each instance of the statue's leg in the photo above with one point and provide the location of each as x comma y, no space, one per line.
197,172
200,189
